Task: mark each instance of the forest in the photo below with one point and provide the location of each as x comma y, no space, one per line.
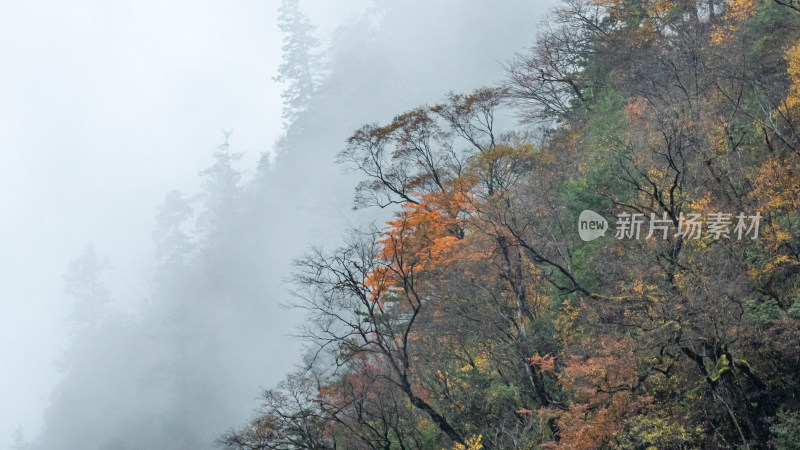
475,316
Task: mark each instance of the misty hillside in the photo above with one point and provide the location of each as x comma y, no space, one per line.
616,269
506,225
189,362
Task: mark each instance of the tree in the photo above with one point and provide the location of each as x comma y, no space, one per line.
83,281
365,299
299,69
220,189
173,242
477,316
289,417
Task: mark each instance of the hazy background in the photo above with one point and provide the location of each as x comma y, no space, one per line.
107,106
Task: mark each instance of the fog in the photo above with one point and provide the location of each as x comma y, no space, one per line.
111,116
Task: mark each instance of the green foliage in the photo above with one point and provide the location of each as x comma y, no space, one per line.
785,429
768,32
764,311
794,310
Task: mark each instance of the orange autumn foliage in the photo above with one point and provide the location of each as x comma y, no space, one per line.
606,392
426,235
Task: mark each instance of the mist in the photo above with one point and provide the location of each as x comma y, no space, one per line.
154,197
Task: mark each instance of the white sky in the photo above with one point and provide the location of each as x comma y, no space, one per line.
104,107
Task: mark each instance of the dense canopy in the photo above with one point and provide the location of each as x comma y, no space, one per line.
477,316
